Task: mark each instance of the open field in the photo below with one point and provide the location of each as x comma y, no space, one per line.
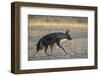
76,48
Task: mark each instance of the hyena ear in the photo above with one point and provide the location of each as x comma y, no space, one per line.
67,31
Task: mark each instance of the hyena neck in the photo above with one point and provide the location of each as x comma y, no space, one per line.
63,40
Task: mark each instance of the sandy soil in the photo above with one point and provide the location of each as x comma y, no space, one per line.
76,48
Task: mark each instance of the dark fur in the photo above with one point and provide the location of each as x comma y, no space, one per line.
51,39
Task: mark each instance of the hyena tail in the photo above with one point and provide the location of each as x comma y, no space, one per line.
39,46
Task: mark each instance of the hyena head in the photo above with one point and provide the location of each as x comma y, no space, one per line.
68,35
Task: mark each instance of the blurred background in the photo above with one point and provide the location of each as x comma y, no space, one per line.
41,25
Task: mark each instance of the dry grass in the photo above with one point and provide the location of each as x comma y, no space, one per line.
39,26
76,48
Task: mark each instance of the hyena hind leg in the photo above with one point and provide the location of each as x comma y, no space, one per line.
51,48
46,47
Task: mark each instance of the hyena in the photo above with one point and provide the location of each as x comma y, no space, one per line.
51,39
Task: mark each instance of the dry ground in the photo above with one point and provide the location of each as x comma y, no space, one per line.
76,48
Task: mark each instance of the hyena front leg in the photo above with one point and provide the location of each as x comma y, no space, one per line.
58,43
